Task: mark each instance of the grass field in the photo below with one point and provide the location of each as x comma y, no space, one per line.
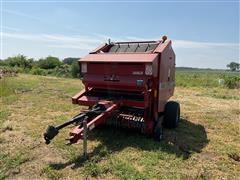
204,145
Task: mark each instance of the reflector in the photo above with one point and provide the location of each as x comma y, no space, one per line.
84,67
148,69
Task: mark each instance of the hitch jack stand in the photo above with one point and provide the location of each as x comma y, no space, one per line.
85,138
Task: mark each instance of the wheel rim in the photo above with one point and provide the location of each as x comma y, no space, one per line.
161,134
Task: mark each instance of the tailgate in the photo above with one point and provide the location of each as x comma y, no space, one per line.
122,76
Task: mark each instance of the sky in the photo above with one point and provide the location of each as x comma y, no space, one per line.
204,34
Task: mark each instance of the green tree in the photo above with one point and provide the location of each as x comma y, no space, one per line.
49,62
75,70
2,63
19,61
70,60
233,66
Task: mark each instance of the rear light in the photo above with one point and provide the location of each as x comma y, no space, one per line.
84,67
148,69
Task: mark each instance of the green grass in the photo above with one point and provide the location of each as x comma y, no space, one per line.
50,173
197,149
201,78
10,162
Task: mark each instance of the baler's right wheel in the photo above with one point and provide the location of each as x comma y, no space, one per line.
171,115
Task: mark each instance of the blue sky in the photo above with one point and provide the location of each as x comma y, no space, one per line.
204,34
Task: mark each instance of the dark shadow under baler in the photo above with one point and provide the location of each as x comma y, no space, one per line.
189,138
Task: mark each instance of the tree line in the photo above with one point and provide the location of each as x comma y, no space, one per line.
50,65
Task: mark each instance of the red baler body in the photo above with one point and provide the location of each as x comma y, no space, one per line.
137,75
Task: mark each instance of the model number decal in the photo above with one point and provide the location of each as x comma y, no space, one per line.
137,72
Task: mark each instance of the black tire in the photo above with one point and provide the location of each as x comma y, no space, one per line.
171,115
158,131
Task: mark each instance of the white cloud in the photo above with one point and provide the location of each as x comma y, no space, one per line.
17,13
200,45
205,55
8,28
23,36
57,41
71,39
69,46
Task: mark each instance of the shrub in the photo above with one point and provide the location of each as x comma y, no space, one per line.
197,78
2,63
19,61
75,70
231,81
62,71
38,71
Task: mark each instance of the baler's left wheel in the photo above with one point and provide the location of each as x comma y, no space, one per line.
158,131
172,115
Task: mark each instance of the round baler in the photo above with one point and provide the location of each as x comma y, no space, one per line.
126,84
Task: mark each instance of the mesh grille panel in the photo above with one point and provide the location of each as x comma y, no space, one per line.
133,47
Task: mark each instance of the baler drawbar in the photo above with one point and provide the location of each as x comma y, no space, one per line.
96,115
126,84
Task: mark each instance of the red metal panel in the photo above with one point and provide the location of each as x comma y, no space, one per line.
166,76
88,100
162,46
131,103
115,68
127,58
77,96
76,133
121,82
91,100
